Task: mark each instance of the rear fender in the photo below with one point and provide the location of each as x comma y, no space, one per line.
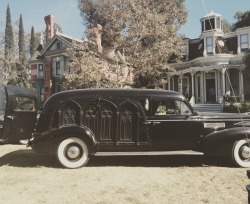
221,142
47,142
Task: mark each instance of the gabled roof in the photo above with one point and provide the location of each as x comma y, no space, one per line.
59,36
37,53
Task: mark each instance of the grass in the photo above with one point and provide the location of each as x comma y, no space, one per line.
27,177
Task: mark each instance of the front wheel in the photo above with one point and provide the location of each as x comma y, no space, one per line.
73,153
241,153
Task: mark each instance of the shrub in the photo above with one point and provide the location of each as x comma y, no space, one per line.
236,107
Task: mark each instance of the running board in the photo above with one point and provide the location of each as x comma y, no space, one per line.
186,152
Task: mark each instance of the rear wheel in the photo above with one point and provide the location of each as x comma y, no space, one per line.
241,153
73,153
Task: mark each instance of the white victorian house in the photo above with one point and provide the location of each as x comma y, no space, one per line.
212,64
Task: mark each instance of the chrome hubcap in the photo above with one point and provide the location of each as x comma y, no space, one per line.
245,152
73,152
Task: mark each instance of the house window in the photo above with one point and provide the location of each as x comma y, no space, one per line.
58,45
218,23
209,42
41,94
244,42
209,24
58,68
40,70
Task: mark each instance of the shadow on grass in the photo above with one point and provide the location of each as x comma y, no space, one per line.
29,158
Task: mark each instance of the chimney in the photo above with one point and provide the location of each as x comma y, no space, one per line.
49,20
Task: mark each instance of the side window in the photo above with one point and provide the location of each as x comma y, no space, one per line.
23,104
169,107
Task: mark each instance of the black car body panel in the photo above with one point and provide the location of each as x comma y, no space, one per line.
117,120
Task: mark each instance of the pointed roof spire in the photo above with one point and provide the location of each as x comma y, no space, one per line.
212,14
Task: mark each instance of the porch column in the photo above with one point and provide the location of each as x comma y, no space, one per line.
218,82
223,70
241,85
202,87
169,82
192,75
173,87
192,100
181,83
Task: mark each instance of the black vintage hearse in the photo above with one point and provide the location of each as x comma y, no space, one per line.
75,125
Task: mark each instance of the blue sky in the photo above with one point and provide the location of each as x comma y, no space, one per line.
67,14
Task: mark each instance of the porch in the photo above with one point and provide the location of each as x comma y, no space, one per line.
208,84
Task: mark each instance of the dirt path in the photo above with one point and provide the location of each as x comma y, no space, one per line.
27,177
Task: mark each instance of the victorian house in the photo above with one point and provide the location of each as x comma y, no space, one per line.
49,62
212,65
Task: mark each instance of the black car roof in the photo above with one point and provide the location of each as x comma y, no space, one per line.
19,91
106,92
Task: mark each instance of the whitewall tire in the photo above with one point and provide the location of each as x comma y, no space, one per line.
241,153
73,153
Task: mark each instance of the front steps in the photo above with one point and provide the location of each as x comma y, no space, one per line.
217,107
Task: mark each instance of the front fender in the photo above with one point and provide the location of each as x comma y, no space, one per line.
47,142
221,142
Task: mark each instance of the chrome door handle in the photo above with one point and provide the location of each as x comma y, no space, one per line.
156,122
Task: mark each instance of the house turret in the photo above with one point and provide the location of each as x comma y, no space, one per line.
211,21
211,32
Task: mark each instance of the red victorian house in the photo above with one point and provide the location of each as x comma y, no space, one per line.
49,62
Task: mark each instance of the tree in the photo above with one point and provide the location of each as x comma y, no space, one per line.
84,72
89,69
15,67
21,65
32,42
243,19
58,28
145,30
21,42
9,37
9,73
227,27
